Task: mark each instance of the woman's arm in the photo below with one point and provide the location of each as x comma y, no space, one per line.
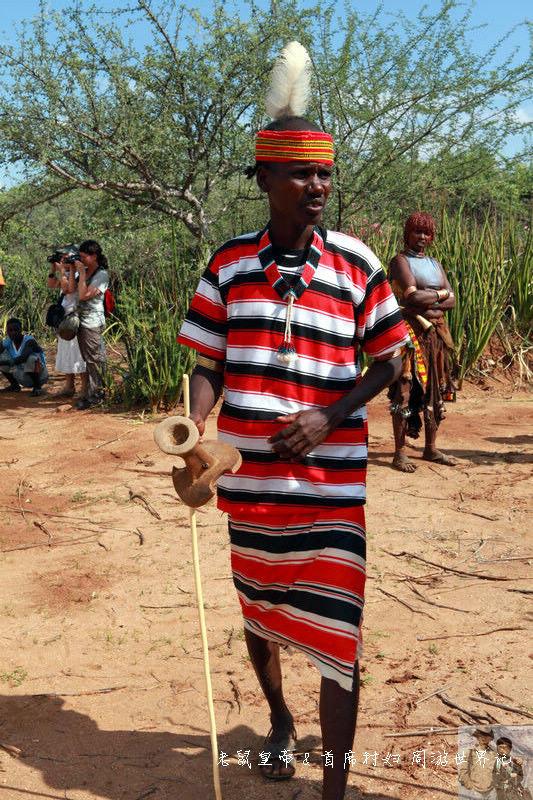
448,302
53,281
414,299
446,299
66,281
85,291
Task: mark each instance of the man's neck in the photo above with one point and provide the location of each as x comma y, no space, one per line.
285,235
17,340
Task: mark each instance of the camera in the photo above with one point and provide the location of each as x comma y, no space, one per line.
68,255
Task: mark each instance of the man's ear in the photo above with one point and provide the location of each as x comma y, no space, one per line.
263,178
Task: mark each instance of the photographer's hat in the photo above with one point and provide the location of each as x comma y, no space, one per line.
68,327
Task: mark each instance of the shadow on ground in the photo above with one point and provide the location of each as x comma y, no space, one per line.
481,457
71,753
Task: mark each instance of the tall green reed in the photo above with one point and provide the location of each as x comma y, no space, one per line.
26,295
150,309
480,267
488,264
521,267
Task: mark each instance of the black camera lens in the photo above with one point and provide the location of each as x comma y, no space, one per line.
68,255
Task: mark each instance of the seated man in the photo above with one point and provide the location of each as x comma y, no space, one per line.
22,360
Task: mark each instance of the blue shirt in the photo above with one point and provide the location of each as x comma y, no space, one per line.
14,352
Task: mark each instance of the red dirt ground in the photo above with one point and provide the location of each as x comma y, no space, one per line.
101,676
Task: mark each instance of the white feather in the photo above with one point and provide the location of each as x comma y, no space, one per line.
290,89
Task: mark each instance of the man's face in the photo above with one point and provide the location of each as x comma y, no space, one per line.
297,190
14,332
483,740
503,750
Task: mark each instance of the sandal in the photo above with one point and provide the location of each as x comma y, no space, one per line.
279,766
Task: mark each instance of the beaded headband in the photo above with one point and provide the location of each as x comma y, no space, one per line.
294,146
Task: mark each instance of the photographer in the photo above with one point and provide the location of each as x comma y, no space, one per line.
69,360
22,360
93,280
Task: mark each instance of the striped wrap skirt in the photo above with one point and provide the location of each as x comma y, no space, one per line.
301,584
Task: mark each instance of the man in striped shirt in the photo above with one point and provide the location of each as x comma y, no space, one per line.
278,320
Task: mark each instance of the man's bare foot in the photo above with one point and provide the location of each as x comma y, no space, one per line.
402,463
437,457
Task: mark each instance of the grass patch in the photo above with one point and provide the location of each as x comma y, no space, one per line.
14,678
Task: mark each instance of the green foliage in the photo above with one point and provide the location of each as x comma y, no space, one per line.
168,127
520,265
135,242
144,149
480,262
25,297
150,309
14,678
154,273
489,265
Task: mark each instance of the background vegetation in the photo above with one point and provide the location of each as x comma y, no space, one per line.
143,146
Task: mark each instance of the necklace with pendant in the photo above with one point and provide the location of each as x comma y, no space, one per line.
286,352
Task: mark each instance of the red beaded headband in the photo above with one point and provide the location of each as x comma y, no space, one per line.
294,146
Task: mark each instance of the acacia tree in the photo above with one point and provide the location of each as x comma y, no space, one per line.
166,125
161,127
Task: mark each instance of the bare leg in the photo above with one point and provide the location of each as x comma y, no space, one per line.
430,450
265,659
68,388
35,377
338,716
14,385
400,460
84,384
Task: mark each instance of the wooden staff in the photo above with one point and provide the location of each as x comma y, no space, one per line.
201,616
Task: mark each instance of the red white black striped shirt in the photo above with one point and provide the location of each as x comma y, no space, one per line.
238,316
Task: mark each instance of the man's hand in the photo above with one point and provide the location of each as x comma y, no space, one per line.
206,387
199,422
303,432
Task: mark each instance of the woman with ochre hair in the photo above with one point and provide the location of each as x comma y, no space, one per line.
424,294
